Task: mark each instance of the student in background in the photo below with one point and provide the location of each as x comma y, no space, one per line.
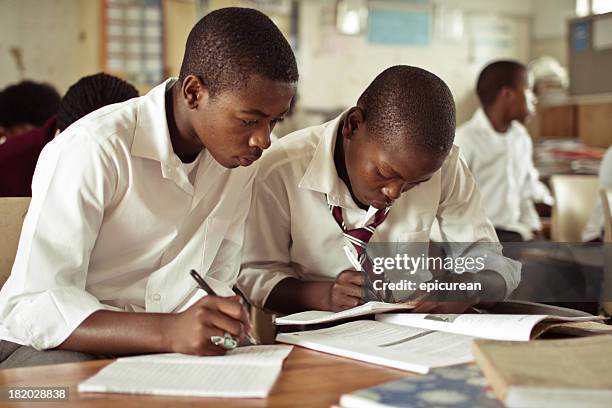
25,106
387,165
129,199
498,150
18,155
594,228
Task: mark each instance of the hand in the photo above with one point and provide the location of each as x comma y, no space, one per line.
189,332
345,292
442,301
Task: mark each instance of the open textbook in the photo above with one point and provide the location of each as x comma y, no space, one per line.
390,345
246,372
498,326
319,316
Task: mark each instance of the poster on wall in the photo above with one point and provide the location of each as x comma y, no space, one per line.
133,40
412,28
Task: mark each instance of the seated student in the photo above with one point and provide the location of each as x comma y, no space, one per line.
130,198
18,156
594,228
387,165
25,106
498,151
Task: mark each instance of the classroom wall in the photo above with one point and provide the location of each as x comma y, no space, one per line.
550,28
59,41
54,41
335,68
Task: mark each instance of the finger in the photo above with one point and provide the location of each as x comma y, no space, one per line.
344,301
349,290
425,307
205,346
225,323
353,277
231,306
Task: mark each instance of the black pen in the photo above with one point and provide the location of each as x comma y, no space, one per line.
206,287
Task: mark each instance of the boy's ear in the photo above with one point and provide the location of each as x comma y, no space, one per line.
355,119
194,92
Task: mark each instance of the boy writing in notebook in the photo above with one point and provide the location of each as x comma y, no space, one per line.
498,150
383,171
132,197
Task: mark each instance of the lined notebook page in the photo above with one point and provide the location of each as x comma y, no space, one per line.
247,372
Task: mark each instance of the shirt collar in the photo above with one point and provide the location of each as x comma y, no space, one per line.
152,137
483,121
321,174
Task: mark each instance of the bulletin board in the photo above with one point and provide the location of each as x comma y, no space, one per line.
133,40
590,54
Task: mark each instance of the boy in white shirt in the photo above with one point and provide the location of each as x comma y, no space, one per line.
498,150
387,165
130,198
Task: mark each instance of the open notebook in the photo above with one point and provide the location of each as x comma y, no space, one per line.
246,372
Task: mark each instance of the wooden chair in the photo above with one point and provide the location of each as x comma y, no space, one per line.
12,213
606,204
575,197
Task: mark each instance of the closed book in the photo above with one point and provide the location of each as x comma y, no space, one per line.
460,386
549,373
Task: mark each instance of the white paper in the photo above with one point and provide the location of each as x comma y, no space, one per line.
487,326
317,316
247,372
389,345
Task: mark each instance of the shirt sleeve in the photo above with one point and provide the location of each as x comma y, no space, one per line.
464,226
266,258
73,182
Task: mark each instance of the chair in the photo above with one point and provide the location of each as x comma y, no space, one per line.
606,203
606,297
575,197
12,213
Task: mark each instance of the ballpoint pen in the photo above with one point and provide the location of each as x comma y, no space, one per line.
227,341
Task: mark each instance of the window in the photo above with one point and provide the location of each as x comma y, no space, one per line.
586,7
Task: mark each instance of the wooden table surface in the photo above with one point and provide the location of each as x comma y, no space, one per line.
308,379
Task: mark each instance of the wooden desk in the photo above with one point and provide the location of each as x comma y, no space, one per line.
308,379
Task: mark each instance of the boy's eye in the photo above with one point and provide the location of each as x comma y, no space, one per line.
246,122
381,175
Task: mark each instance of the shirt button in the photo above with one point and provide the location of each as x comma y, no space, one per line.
156,297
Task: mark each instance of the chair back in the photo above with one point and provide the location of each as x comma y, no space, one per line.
12,213
575,197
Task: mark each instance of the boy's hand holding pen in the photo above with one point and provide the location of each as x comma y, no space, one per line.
209,327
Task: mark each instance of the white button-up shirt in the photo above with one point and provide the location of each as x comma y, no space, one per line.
116,224
291,233
595,225
502,165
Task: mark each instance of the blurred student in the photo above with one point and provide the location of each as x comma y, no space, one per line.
18,156
383,171
498,150
594,228
25,106
130,198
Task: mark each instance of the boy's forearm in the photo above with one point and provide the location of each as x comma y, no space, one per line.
292,295
120,333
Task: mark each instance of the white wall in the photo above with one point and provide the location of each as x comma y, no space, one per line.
335,69
49,36
550,28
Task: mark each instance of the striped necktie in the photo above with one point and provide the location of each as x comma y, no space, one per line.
360,237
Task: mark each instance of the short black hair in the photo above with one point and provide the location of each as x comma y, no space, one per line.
229,45
494,77
28,102
409,106
90,93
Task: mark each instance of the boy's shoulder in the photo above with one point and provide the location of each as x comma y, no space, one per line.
291,154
